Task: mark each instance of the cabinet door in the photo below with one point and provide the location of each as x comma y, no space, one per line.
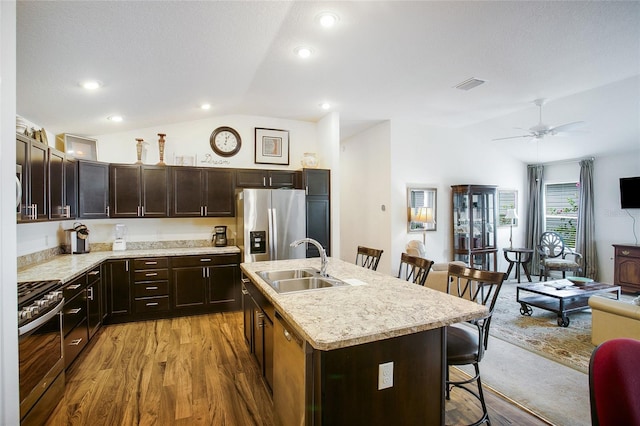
318,224
71,187
186,193
282,179
118,275
219,194
94,302
189,286
124,190
155,185
22,159
223,284
247,310
57,188
38,174
251,178
317,182
259,318
93,190
267,336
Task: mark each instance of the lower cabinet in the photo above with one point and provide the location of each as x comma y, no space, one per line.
151,286
94,300
118,283
74,319
259,315
626,272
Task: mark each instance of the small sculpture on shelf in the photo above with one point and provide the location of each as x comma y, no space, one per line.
161,142
139,144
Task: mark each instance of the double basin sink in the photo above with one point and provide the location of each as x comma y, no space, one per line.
292,280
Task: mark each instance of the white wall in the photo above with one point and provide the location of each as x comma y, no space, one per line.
187,138
328,150
9,406
366,169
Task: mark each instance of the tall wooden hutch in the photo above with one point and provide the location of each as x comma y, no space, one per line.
473,229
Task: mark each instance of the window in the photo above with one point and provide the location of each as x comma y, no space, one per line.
561,213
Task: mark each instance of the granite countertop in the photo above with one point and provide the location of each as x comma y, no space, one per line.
381,307
66,267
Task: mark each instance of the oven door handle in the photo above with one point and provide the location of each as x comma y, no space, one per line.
39,321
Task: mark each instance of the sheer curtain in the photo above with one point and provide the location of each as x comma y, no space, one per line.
535,212
585,243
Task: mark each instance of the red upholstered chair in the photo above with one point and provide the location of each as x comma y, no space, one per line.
614,383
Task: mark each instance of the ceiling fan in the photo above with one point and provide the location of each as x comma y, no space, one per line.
540,130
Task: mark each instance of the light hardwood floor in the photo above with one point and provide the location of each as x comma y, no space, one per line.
193,371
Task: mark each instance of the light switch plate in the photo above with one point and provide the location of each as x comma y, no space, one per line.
385,375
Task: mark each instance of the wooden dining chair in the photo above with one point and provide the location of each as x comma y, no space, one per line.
368,257
414,268
466,345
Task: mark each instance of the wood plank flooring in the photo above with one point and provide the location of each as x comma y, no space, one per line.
195,371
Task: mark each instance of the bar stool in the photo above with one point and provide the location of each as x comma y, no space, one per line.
414,268
368,257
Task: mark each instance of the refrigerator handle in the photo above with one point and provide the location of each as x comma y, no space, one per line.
274,234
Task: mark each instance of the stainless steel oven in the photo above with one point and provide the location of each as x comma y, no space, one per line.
40,350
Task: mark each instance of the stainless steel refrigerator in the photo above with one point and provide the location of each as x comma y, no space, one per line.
268,221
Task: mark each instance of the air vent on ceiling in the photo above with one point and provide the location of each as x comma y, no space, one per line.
469,84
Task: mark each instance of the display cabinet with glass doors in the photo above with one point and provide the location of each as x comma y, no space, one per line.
474,225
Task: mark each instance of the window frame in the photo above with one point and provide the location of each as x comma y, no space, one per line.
570,220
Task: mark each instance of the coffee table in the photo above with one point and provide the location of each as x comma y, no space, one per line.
561,300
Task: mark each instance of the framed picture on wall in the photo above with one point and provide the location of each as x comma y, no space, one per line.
272,146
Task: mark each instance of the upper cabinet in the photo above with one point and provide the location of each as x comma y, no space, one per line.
201,192
63,191
33,157
474,225
259,178
93,189
138,190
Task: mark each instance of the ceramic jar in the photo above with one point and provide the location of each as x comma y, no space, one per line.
309,160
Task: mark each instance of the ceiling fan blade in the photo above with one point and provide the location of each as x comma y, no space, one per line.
566,127
512,137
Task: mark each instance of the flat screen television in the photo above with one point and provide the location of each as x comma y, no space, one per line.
630,192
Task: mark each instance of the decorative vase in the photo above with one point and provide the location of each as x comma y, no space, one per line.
309,160
139,144
161,142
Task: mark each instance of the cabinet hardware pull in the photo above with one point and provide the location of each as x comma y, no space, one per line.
244,291
73,287
152,304
264,181
108,211
206,210
151,274
75,342
142,211
306,190
67,211
74,311
205,260
270,181
151,288
286,333
126,266
90,296
94,272
150,263
245,280
626,252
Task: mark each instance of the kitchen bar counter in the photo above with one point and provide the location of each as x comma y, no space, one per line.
68,266
382,307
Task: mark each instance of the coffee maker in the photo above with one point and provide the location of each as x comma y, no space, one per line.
220,236
77,239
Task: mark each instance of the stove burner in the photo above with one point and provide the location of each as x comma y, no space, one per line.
36,298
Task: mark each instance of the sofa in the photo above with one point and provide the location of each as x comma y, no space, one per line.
611,319
439,273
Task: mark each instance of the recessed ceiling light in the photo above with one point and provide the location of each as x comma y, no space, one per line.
91,84
205,106
327,19
469,83
303,52
115,118
325,105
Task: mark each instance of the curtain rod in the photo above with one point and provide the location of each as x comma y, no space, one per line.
574,160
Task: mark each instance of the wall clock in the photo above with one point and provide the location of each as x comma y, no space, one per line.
225,141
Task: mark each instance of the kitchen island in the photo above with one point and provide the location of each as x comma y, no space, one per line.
345,334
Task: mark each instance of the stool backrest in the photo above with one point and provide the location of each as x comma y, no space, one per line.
368,257
414,268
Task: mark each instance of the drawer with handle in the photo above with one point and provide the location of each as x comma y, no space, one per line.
152,304
151,275
74,311
151,263
94,275
70,290
75,341
151,289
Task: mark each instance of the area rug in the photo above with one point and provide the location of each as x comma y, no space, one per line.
540,333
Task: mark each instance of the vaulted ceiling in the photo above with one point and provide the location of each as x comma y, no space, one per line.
158,61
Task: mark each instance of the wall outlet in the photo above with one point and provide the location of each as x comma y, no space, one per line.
385,375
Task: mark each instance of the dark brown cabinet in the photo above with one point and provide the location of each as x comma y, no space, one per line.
63,191
257,178
138,190
74,319
33,157
118,282
259,315
93,189
94,300
151,285
202,192
626,272
317,185
206,282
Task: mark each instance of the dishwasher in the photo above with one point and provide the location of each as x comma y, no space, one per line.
288,374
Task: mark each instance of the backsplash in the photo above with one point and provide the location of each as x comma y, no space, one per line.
44,255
